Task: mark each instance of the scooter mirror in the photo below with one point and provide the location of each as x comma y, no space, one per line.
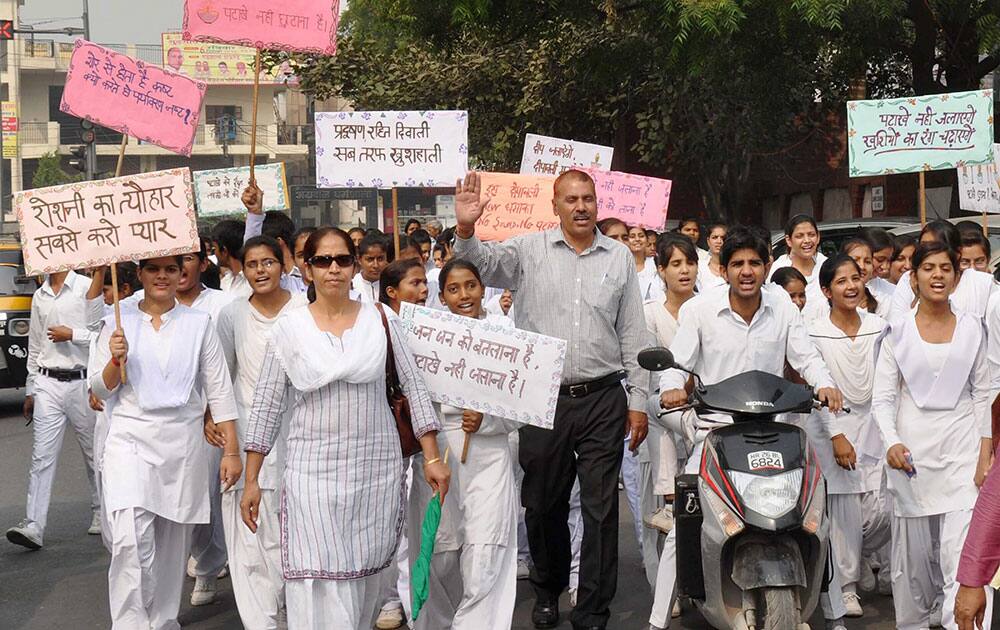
656,359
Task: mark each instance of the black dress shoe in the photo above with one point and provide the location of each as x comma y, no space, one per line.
545,614
589,627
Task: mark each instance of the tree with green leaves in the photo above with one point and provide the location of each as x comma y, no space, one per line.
695,87
49,172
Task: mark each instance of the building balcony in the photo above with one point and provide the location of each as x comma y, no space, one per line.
276,141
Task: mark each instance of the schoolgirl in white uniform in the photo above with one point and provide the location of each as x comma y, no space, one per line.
931,401
473,580
155,464
849,446
243,325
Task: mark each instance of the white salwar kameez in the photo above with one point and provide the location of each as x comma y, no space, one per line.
154,468
342,495
858,523
934,399
254,558
473,580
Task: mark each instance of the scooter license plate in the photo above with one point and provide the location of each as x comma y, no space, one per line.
765,460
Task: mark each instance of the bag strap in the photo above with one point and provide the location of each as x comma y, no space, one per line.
391,378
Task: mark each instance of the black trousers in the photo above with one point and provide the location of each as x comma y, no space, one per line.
586,441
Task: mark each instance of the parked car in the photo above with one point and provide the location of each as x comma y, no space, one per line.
833,233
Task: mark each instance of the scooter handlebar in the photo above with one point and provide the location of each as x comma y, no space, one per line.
820,404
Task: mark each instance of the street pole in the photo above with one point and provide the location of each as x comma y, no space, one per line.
91,160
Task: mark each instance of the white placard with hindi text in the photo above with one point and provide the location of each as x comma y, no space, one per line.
979,186
487,367
544,155
93,223
391,149
220,191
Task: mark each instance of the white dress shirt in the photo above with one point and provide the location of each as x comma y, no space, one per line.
69,308
716,343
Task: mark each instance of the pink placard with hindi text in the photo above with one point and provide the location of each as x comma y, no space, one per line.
518,204
308,26
92,223
130,96
635,199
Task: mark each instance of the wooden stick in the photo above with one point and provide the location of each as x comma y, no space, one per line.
465,447
923,201
114,266
395,220
121,155
253,127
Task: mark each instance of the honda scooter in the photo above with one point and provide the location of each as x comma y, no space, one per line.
752,529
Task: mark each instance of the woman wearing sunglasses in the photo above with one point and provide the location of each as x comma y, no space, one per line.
243,325
343,479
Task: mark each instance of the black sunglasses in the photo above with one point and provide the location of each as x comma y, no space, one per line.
324,262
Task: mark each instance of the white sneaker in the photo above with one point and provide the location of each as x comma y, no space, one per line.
853,605
572,598
662,519
523,569
390,618
95,525
25,534
204,591
675,612
224,571
191,566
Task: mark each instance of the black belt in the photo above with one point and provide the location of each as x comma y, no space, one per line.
64,375
579,390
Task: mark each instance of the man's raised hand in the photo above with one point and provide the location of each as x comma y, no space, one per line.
469,204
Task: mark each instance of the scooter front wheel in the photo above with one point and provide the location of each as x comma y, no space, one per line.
777,609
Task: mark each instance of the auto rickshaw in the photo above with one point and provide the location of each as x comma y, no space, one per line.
16,291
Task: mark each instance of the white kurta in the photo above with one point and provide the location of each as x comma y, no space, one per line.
852,364
156,460
254,558
944,442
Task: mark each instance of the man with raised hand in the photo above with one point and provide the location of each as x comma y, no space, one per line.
575,284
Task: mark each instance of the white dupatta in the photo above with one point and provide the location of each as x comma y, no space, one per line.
313,358
941,392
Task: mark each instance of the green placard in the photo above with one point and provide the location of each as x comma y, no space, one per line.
923,133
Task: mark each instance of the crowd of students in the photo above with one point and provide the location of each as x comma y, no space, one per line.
236,420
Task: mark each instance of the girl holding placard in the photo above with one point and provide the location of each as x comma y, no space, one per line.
474,567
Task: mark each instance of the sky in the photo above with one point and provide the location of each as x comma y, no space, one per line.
111,21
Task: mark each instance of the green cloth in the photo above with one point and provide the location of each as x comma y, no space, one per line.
420,573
